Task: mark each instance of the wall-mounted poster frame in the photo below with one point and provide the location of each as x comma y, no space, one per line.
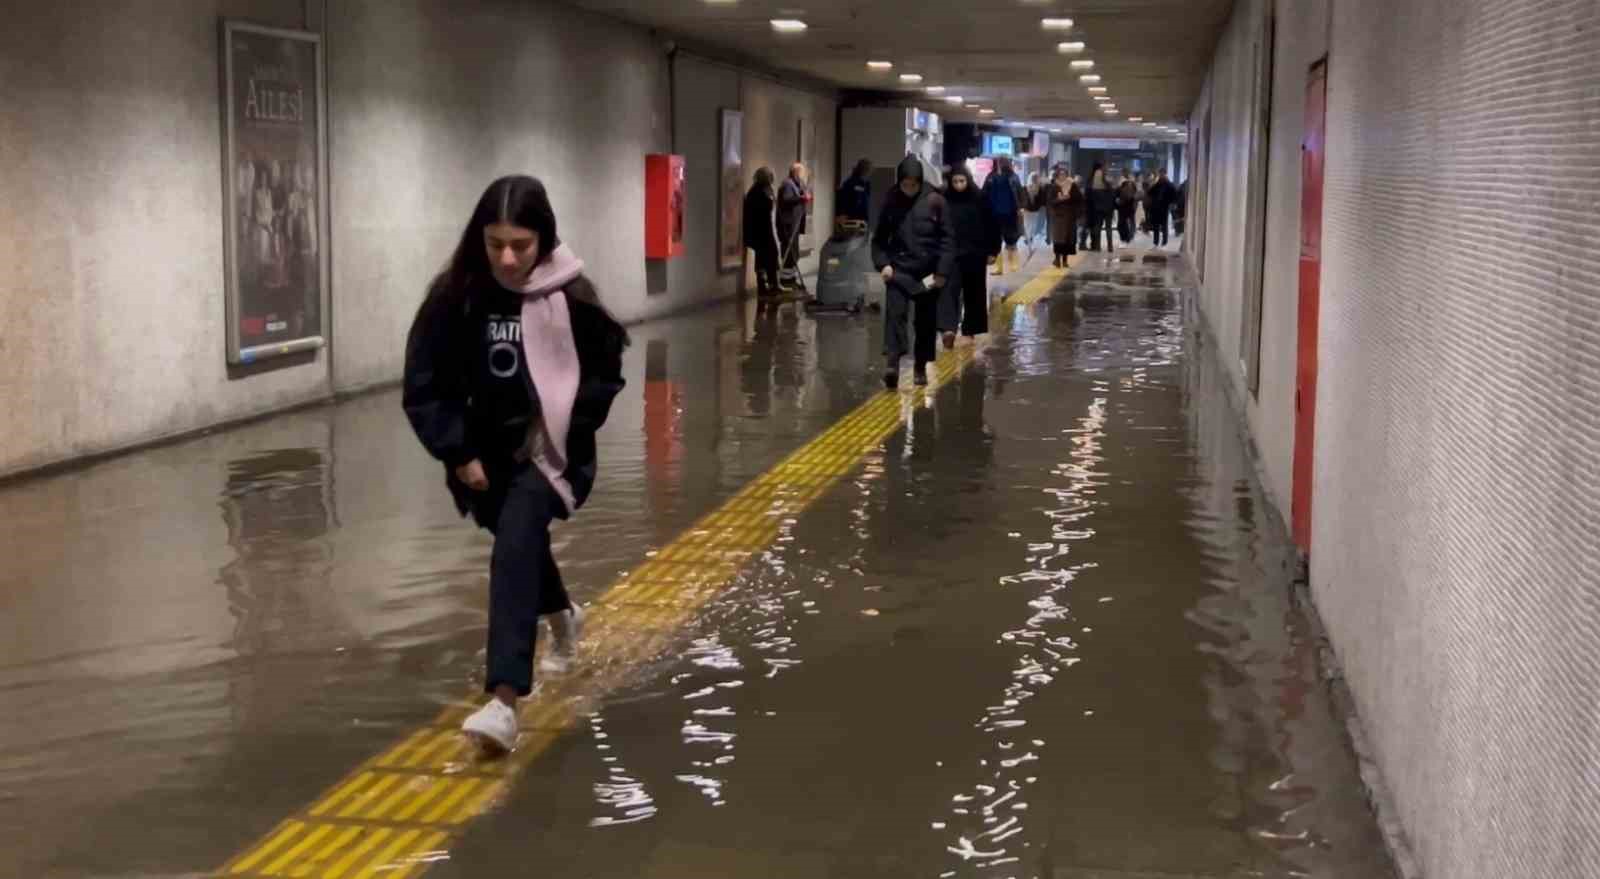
730,161
275,191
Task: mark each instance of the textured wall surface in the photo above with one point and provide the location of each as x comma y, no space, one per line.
1301,40
704,89
431,102
111,298
1455,547
1229,93
112,315
771,116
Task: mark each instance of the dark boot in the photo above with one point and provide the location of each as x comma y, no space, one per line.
922,375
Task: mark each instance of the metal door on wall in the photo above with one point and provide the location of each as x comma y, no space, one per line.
1313,154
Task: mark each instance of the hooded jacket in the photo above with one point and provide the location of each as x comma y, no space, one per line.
452,406
914,234
977,235
854,201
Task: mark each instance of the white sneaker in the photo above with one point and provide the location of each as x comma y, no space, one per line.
493,728
566,628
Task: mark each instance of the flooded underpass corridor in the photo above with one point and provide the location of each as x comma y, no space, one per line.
1035,622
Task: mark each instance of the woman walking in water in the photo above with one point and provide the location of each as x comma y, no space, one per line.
511,367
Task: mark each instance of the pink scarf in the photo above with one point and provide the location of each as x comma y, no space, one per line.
552,359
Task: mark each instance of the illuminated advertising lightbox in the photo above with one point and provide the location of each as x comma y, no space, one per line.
999,145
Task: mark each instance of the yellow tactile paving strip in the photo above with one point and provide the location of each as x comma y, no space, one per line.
402,810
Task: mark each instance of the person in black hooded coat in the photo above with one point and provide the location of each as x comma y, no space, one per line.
761,234
964,303
914,240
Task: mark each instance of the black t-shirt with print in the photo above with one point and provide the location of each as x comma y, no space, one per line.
507,403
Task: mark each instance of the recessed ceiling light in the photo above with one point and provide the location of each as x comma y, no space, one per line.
1069,48
954,99
1089,77
1149,125
1084,64
986,112
935,90
1135,118
880,65
788,25
1101,99
1097,90
1109,111
911,77
1056,24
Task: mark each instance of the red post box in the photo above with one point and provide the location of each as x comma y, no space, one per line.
663,206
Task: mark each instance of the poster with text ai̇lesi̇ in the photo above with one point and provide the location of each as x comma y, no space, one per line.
273,149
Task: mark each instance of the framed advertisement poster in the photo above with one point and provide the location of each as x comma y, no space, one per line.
730,159
275,191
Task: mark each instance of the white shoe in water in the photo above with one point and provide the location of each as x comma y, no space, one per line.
566,628
493,728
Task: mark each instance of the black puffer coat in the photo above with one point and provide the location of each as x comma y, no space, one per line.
914,233
977,236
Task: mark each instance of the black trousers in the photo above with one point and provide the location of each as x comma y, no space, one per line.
766,270
524,582
964,301
1158,228
1125,225
897,306
1102,224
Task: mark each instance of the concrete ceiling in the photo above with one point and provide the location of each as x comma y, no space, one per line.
1152,54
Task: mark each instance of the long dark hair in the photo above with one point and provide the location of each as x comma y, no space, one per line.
518,200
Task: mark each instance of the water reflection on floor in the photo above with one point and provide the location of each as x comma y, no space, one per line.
1044,631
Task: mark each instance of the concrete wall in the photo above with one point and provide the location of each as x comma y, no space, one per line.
112,320
430,102
704,89
771,115
111,297
1456,479
1453,550
1234,245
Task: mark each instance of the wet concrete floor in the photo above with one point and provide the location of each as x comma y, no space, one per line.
1044,631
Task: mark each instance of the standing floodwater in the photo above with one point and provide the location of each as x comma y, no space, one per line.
1043,631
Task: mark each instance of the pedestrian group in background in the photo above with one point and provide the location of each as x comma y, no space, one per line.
512,362
932,245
